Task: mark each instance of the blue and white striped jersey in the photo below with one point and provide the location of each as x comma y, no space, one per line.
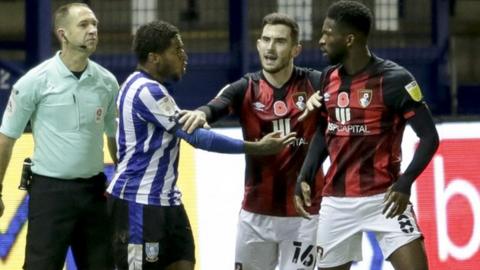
147,153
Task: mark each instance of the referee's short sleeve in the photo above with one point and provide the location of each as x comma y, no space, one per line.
20,106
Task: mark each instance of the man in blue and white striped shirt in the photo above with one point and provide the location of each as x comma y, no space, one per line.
151,228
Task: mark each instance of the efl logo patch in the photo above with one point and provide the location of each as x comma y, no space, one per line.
166,106
414,91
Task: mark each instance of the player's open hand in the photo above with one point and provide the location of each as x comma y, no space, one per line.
302,198
314,102
395,203
192,120
271,143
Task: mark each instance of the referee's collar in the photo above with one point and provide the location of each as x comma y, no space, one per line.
65,72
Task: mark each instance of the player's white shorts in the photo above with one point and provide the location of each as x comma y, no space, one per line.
343,219
263,242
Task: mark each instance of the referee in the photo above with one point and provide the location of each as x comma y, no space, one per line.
69,100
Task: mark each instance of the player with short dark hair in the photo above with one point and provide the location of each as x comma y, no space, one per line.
151,227
270,233
367,102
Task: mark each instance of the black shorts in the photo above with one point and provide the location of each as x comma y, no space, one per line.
153,236
65,213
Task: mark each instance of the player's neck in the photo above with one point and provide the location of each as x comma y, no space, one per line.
149,68
279,78
74,61
357,60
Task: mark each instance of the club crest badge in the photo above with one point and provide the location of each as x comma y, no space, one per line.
299,99
326,97
343,100
365,97
280,108
151,251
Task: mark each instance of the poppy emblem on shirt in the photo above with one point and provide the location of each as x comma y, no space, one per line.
280,108
299,100
99,115
343,100
365,97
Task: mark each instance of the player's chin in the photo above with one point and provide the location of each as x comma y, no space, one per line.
271,69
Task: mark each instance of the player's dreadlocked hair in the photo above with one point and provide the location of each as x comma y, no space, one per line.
279,18
351,14
153,37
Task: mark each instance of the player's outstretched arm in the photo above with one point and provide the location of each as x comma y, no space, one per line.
313,103
270,144
214,142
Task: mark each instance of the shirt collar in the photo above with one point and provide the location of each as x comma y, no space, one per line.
65,72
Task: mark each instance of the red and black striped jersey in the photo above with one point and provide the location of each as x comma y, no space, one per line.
262,108
366,115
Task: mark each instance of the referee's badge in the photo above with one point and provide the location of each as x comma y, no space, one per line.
99,114
151,251
365,97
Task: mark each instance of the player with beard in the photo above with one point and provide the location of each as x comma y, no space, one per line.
270,233
151,229
367,102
